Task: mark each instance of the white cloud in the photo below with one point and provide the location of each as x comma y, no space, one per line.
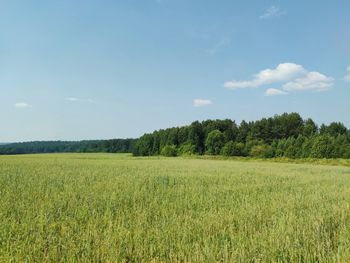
272,11
282,73
311,81
274,92
292,77
73,99
22,105
347,77
201,102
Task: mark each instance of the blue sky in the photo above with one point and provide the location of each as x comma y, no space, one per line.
87,69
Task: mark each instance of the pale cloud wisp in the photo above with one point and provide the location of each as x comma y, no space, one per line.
272,11
73,99
22,105
347,76
274,92
201,102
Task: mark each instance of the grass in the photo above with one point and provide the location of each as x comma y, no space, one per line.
325,161
116,208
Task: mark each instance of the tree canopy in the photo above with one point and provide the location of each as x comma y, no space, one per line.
286,135
112,146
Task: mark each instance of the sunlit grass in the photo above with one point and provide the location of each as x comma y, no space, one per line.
117,208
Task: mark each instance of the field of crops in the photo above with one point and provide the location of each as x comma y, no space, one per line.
118,208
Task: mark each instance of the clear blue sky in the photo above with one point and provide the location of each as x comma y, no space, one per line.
88,69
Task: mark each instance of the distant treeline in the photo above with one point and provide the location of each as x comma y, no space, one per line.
286,135
111,146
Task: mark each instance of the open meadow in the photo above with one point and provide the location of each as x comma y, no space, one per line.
118,208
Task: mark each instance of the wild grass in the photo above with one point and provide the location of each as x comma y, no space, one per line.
117,208
324,161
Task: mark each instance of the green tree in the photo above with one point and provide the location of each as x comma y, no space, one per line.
281,148
214,142
196,137
290,148
333,129
310,128
233,149
243,132
340,146
144,145
298,145
287,134
323,147
307,147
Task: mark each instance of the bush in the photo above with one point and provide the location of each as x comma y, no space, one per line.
347,152
233,149
262,151
250,144
169,151
269,152
187,149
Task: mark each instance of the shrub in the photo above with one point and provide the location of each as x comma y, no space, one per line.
262,151
169,151
233,149
187,149
250,144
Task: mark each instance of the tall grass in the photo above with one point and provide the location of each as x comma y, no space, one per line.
115,208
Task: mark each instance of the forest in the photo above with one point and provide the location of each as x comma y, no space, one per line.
108,146
286,135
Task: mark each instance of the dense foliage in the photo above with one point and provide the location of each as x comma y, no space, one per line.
286,135
111,146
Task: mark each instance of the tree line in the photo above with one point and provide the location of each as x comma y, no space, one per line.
286,135
111,146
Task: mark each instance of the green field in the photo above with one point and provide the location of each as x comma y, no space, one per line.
117,208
